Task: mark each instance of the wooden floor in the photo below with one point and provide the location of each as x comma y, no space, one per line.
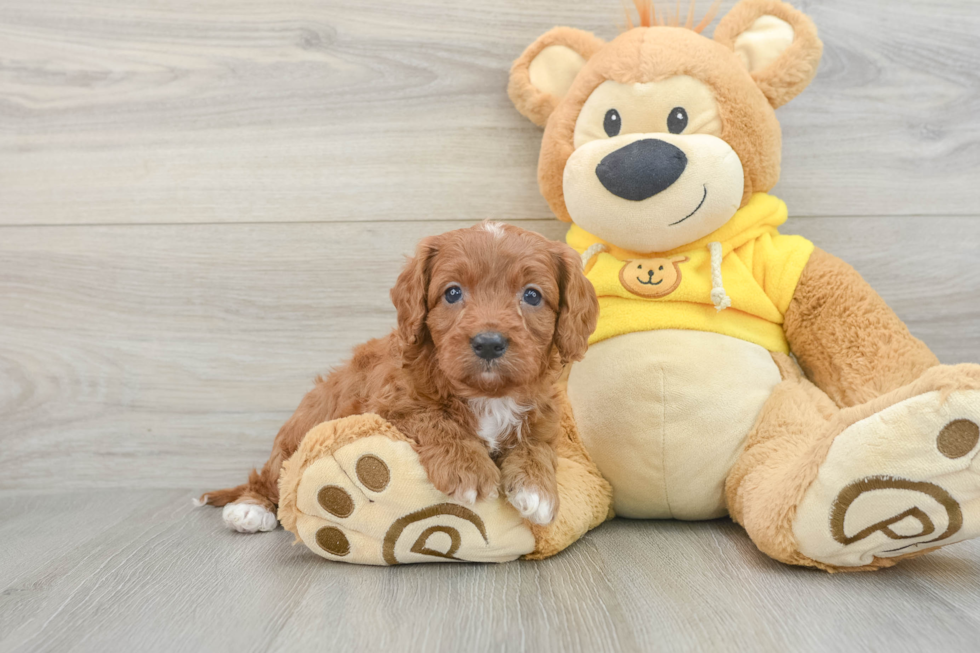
139,571
204,203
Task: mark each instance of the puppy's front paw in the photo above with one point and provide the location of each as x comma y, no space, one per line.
465,494
465,478
249,518
534,504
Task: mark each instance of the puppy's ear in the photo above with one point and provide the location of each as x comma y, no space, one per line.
541,77
578,308
410,293
776,43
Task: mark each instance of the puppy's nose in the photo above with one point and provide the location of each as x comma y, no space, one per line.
641,169
489,345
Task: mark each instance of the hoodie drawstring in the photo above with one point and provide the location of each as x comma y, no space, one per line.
719,297
596,248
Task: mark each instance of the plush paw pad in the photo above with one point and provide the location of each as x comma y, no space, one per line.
371,502
900,481
248,518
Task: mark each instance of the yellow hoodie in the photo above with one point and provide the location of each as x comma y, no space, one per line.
759,270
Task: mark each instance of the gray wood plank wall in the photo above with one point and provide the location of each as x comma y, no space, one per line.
203,204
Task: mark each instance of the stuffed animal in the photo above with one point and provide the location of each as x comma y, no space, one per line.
659,148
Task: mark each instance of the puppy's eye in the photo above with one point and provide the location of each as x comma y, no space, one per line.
532,297
677,120
453,294
613,123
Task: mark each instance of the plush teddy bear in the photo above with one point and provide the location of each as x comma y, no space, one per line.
659,148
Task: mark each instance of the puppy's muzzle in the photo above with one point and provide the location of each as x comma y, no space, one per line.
641,169
489,345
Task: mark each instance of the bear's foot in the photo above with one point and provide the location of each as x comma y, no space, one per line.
356,492
902,481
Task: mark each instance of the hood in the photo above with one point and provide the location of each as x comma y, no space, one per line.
763,214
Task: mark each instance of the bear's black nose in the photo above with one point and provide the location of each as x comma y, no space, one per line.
641,169
489,345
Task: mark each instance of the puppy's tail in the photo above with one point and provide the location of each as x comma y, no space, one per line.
220,498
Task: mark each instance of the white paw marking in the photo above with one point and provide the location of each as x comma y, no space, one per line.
248,518
533,506
466,496
199,502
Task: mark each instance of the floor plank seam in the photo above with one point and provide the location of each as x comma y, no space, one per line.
920,216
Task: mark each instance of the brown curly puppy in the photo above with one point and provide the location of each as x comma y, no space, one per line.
487,318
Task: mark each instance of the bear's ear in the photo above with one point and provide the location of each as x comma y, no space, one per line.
542,75
776,43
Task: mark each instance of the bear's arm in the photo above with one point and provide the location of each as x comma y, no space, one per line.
846,339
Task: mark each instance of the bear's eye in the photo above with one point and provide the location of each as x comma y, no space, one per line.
453,294
639,267
677,120
613,123
532,296
661,267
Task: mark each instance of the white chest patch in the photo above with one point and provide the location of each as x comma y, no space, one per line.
497,417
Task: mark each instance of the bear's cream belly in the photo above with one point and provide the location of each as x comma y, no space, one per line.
665,414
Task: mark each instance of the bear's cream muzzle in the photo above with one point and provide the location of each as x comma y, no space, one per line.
653,192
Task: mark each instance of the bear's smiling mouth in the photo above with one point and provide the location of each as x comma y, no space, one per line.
649,283
703,197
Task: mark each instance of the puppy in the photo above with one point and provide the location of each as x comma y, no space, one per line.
487,319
